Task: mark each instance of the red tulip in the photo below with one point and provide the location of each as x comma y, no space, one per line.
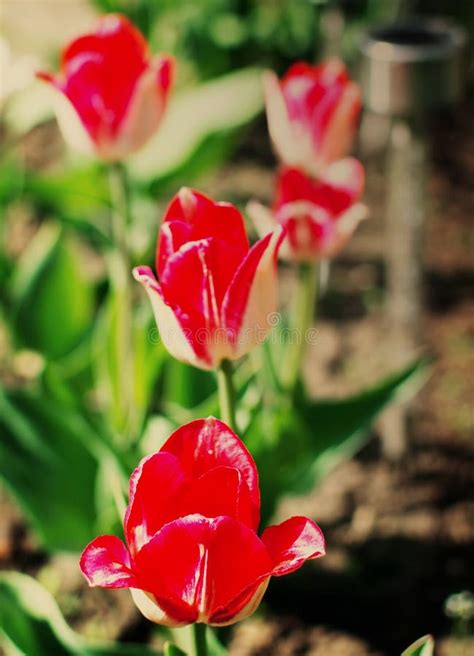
320,215
312,114
112,95
193,554
215,295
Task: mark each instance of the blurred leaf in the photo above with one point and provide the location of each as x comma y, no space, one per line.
76,191
77,197
187,386
195,114
172,650
48,463
296,447
53,301
341,425
149,356
32,624
214,646
184,638
422,647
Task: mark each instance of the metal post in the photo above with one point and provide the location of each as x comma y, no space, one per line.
408,69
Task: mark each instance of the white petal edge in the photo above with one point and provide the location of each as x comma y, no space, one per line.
170,330
150,609
70,124
262,302
144,114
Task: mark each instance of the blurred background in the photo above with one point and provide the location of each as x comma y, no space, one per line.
399,516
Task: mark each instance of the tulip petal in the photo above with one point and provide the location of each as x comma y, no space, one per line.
70,124
232,499
204,444
105,562
345,177
312,114
293,542
119,112
341,126
145,109
174,336
171,566
221,222
90,65
156,488
188,282
148,606
289,140
344,228
250,301
337,188
308,227
238,565
263,219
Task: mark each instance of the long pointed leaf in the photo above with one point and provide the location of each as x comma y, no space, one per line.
32,624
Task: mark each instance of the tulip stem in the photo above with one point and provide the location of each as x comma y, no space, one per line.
199,639
302,316
225,383
120,279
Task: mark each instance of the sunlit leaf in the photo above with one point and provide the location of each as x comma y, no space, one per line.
148,358
195,114
295,447
48,462
422,647
53,300
172,650
32,624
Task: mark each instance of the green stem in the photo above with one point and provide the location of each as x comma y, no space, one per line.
302,316
120,278
199,640
226,389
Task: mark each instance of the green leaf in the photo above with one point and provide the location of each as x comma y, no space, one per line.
149,355
32,624
295,447
213,109
76,191
340,426
53,300
47,462
422,647
172,650
187,386
214,646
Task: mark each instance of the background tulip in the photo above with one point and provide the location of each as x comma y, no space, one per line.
111,94
312,114
193,554
214,295
319,215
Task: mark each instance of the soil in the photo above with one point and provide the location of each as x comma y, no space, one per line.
400,535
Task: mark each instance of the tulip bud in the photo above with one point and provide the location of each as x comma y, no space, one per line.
192,552
312,114
319,216
215,296
110,95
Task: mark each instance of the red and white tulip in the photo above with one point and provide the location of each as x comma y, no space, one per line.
192,551
319,215
214,296
312,114
110,93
